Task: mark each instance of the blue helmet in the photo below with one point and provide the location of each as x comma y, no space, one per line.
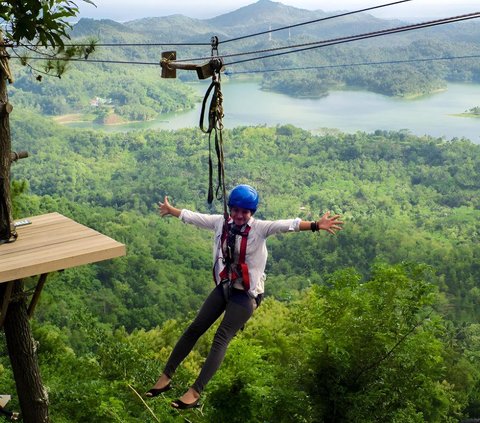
243,196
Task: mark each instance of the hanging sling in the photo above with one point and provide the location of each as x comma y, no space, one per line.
215,115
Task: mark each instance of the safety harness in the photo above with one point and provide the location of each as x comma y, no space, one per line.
232,272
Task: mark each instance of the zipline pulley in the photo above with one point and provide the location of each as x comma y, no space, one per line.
206,70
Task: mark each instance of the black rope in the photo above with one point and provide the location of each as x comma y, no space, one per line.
208,130
215,126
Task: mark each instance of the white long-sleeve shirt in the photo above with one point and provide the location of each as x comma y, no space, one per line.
256,254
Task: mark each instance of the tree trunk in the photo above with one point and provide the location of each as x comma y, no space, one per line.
22,351
5,149
20,343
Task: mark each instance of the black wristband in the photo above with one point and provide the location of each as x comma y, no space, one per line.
314,227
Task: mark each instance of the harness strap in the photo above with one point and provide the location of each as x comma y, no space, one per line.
229,271
241,259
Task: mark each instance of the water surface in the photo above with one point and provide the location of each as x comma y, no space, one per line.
246,104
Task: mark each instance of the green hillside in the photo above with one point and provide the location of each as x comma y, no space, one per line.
393,294
380,323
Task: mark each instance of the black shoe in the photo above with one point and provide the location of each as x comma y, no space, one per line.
154,392
180,405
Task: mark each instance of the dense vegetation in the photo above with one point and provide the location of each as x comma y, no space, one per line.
332,67
380,323
99,91
386,313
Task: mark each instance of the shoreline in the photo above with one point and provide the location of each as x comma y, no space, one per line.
466,115
80,118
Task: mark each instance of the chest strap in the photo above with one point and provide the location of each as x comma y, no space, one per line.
229,271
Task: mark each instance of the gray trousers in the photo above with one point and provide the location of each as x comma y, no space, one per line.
238,310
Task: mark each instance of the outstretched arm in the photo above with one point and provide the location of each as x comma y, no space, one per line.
166,209
328,223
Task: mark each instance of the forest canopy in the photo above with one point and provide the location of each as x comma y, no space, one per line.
412,219
402,277
378,323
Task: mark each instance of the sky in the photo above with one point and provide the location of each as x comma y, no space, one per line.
122,10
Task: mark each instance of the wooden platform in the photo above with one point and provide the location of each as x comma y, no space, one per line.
54,242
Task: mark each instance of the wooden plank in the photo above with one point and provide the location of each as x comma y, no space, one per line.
60,257
42,239
68,249
32,242
54,242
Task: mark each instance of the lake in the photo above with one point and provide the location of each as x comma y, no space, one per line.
245,104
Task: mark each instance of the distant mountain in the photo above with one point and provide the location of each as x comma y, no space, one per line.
266,14
257,17
91,27
174,27
263,16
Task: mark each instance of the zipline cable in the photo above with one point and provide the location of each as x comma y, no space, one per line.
346,65
138,44
294,49
297,47
314,21
237,38
375,34
127,44
349,38
228,73
118,62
